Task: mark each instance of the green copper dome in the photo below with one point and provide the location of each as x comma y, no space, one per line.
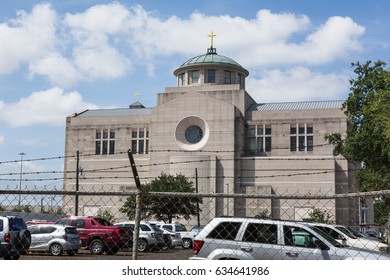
211,57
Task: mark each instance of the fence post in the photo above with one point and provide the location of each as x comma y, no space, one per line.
138,203
76,212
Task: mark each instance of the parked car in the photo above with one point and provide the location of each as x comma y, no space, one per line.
15,238
189,236
346,237
98,234
234,238
55,239
149,237
177,229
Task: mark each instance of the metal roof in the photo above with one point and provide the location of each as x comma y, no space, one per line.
115,112
305,105
211,57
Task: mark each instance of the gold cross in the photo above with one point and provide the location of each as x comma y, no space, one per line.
212,35
137,95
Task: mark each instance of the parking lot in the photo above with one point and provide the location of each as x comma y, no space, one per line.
173,254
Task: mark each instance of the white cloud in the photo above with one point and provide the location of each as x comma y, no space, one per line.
57,68
297,84
104,40
26,38
49,107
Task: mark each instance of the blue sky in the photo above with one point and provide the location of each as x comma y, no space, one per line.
61,57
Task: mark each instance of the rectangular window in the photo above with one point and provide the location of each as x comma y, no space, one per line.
210,76
310,143
140,141
98,147
239,79
301,140
260,145
105,142
141,146
194,76
268,144
304,140
293,143
228,77
134,146
112,147
260,138
252,144
105,148
105,133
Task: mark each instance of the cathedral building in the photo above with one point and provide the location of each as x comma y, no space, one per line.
209,125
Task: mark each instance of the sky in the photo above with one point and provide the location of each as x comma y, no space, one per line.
61,57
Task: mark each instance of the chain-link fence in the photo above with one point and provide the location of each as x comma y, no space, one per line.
181,212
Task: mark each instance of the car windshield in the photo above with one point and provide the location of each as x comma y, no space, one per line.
346,232
328,237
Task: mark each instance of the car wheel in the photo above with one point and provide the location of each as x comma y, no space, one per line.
142,245
187,243
96,247
56,249
113,250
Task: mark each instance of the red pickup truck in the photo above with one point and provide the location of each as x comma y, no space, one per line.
98,234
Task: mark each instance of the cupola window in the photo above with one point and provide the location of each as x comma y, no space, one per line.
194,76
210,75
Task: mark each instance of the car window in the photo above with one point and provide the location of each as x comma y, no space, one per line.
63,222
329,231
103,222
71,231
180,227
47,229
1,225
144,227
299,237
225,230
78,223
262,233
17,224
168,227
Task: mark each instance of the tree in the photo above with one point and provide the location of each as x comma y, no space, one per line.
319,216
164,208
368,133
106,215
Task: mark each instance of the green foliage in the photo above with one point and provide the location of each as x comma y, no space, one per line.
319,216
163,208
264,214
2,208
381,210
106,215
368,133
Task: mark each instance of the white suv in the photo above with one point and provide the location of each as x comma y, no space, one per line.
15,238
234,238
346,237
